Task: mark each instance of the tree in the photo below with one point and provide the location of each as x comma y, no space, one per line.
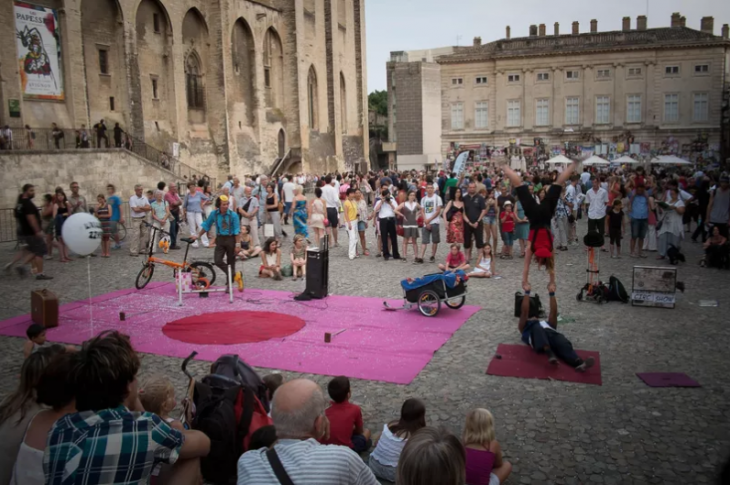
378,102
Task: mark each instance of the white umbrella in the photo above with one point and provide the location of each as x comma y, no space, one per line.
670,160
559,159
627,159
595,160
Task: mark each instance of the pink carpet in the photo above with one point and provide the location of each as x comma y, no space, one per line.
376,344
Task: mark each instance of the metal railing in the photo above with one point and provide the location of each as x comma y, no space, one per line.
278,163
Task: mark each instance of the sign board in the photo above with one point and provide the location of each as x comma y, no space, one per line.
14,108
654,287
460,163
39,51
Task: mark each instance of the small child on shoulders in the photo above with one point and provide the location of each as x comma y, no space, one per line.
345,418
455,260
36,339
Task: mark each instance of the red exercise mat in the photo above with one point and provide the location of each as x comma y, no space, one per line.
226,328
522,361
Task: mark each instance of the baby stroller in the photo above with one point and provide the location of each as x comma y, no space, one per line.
594,289
428,292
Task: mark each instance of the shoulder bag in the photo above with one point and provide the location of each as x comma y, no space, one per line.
278,468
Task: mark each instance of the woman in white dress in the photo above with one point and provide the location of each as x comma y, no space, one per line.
671,231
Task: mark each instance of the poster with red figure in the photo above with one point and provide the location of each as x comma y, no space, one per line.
39,51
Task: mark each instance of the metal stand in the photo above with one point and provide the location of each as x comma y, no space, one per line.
228,287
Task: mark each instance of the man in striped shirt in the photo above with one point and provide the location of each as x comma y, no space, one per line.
298,414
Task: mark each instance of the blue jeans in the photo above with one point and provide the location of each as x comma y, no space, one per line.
508,238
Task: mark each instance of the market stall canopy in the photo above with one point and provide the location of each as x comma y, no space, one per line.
627,159
595,160
670,160
560,159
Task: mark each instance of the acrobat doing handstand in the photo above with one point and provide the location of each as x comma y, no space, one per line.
540,241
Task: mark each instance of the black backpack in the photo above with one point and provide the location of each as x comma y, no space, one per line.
616,290
535,305
231,366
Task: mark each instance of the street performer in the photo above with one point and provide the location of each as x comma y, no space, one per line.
228,234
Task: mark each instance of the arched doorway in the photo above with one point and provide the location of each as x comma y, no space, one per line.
282,143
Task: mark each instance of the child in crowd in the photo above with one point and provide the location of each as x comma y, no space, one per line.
485,266
507,218
248,249
36,339
384,459
455,260
346,427
157,395
484,463
271,260
298,258
272,382
615,227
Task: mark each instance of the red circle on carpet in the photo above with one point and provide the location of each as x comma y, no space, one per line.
228,328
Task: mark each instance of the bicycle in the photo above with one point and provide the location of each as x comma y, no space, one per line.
203,273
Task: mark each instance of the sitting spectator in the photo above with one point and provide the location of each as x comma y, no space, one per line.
249,249
298,411
157,395
485,263
111,427
717,254
53,390
264,437
19,408
432,457
454,260
271,260
272,382
484,463
298,258
36,339
346,427
384,459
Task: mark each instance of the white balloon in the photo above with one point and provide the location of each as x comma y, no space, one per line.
82,233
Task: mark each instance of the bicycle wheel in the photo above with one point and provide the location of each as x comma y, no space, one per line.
145,275
122,231
202,270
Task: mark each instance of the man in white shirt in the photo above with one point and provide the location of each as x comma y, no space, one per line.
139,207
288,192
597,201
385,208
331,196
571,199
431,207
585,177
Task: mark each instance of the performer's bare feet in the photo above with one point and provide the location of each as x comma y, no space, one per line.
587,364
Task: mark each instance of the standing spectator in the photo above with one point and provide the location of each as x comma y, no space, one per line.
432,456
484,462
248,208
384,459
208,199
640,208
61,210
702,195
597,199
110,426
47,223
615,226
431,208
104,213
287,192
491,220
317,216
57,135
118,132
273,216
385,210
572,201
332,197
29,137
83,138
671,231
559,222
6,138
718,208
237,190
298,412
115,202
362,219
139,206
174,202
193,212
409,211
450,186
77,201
101,134
299,212
455,217
522,226
507,219
160,217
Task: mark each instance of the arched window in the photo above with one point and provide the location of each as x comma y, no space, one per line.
343,104
313,99
273,68
194,83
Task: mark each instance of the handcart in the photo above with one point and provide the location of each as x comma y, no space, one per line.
428,292
594,290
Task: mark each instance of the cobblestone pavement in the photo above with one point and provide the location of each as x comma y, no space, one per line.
553,432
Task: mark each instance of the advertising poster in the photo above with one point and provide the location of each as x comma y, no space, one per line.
39,52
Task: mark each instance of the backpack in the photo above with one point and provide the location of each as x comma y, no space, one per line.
233,367
535,305
228,412
616,291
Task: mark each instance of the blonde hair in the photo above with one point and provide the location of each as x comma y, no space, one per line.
479,428
155,391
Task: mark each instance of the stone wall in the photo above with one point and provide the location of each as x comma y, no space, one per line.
93,170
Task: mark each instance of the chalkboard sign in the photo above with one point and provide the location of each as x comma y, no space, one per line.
654,287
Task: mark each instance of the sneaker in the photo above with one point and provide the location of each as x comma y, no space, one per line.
42,277
195,245
432,259
117,246
379,255
552,359
48,257
587,364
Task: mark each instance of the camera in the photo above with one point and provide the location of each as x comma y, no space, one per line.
386,195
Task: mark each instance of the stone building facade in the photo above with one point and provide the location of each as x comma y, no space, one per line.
639,91
235,85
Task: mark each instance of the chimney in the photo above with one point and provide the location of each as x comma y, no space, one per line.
676,17
683,21
477,41
533,30
641,22
542,30
707,25
557,28
626,24
594,26
725,32
576,28
508,32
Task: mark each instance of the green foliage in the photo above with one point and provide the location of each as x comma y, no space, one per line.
378,102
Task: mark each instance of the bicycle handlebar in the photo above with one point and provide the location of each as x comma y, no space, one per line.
156,228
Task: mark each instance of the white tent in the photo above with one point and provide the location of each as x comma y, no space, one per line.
560,159
595,160
669,160
627,159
